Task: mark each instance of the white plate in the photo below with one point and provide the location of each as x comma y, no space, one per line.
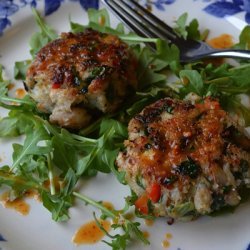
37,230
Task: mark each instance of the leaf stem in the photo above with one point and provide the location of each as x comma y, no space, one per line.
84,139
95,204
43,26
10,177
91,128
16,100
138,39
51,176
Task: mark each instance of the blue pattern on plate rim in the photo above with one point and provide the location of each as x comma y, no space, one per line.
159,4
53,5
9,7
217,8
2,238
222,8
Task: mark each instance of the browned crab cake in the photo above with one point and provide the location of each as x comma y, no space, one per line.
78,73
184,160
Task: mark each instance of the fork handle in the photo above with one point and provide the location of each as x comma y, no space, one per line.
243,54
214,53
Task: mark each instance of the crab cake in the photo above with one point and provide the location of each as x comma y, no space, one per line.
184,160
79,75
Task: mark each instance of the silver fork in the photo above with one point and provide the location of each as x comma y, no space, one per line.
145,24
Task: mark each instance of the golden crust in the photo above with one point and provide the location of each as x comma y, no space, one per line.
188,151
91,71
62,59
187,131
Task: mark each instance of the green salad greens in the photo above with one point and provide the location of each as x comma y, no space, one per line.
49,152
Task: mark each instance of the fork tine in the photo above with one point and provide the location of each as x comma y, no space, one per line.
129,20
135,21
168,31
143,15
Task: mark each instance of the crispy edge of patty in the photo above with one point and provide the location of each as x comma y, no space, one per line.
198,191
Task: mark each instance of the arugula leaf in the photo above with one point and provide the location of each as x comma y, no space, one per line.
99,20
224,82
20,69
93,127
76,27
3,84
64,156
100,17
31,146
229,80
40,39
37,41
147,74
69,181
147,97
244,39
138,106
193,82
45,29
181,25
8,127
109,157
3,88
1,73
19,183
16,123
193,30
119,131
170,54
94,158
58,205
131,229
81,143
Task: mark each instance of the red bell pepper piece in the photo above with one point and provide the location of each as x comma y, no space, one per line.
142,204
154,192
